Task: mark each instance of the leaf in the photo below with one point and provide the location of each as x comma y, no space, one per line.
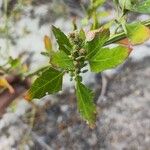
137,33
108,58
125,4
82,34
4,83
85,104
48,44
49,82
142,7
62,40
97,43
61,59
14,62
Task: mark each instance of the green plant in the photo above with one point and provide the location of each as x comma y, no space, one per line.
79,49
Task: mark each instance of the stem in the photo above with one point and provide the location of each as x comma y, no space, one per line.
122,35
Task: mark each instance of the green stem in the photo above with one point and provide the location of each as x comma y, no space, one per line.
122,35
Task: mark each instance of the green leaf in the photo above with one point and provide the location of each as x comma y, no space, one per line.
137,33
125,4
108,58
82,34
97,43
62,40
85,103
14,62
61,59
49,82
142,7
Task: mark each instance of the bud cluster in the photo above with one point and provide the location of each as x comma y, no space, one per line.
77,54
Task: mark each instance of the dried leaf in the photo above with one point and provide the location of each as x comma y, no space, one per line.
4,84
48,43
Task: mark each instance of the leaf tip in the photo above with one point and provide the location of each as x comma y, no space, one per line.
92,125
53,28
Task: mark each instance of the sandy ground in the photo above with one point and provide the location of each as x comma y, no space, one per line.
123,119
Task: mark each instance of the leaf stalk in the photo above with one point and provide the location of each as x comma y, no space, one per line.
122,35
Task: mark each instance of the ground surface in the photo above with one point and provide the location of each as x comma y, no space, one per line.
123,119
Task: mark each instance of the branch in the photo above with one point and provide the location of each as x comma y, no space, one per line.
122,35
